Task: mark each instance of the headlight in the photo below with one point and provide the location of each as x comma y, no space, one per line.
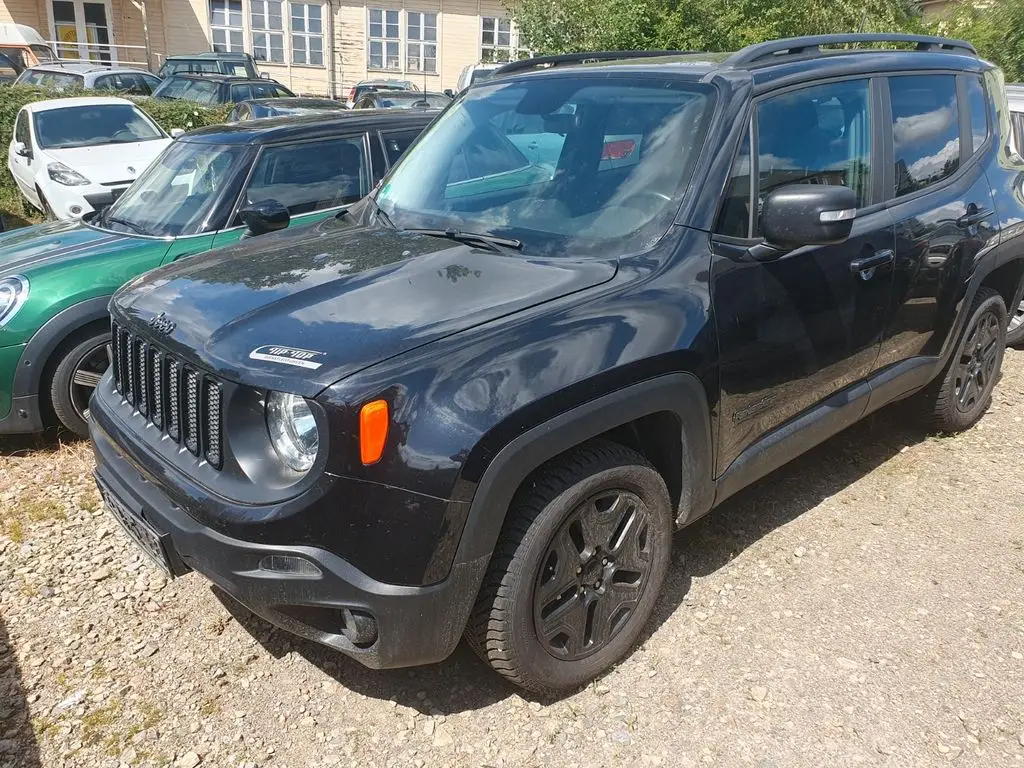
292,429
64,175
13,293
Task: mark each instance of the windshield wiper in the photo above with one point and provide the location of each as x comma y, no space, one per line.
382,214
491,242
124,222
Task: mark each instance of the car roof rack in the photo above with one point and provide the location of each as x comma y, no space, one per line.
795,46
583,57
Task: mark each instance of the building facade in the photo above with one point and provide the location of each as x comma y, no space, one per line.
319,47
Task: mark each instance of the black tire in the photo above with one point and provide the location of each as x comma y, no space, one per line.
79,360
620,494
48,213
963,392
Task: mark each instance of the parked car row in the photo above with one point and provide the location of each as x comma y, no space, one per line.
512,350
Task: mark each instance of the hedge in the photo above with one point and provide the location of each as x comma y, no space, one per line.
168,114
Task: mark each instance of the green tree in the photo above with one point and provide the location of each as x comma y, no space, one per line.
996,30
558,26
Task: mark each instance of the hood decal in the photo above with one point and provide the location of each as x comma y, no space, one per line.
303,358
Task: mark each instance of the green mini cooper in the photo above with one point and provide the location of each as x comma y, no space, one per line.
208,189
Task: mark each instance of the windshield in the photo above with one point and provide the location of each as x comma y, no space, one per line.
560,163
43,53
89,126
479,75
189,89
178,192
201,66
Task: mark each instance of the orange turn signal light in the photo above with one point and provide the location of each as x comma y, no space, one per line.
373,430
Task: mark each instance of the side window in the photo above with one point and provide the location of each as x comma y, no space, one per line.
17,55
107,83
1017,125
312,176
241,93
396,143
21,129
734,218
817,135
147,83
926,130
281,92
977,104
367,102
30,77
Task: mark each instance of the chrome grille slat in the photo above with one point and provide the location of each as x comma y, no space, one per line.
184,403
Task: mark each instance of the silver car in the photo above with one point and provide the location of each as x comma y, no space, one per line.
72,76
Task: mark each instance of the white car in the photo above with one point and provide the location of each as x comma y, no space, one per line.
474,73
73,156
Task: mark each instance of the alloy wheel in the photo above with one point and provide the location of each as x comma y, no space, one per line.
1017,318
88,372
593,575
976,366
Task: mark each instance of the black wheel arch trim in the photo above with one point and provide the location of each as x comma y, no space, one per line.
45,341
679,393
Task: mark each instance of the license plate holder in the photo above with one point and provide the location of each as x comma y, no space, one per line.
138,530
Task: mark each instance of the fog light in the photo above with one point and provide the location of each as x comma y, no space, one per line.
75,210
292,566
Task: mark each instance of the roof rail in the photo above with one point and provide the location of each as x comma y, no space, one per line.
582,57
793,46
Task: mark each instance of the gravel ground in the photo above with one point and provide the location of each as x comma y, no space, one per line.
864,605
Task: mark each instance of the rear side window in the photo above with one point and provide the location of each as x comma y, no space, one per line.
978,106
29,77
61,81
202,91
397,142
926,130
734,218
241,93
311,176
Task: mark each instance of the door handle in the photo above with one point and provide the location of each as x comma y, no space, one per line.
866,267
974,217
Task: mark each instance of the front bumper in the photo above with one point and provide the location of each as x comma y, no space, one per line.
18,414
393,626
75,202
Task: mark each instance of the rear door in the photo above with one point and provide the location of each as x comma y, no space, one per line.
799,330
941,202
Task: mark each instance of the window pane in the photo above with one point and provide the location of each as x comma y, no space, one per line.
258,20
819,135
376,16
504,25
311,177
412,56
298,24
298,49
488,37
313,11
979,111
236,40
734,218
392,30
504,38
430,32
376,30
488,24
393,17
926,131
316,58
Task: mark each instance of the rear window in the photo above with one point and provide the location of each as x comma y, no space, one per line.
199,66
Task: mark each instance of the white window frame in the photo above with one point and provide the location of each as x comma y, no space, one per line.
415,47
264,52
384,39
305,35
512,49
228,28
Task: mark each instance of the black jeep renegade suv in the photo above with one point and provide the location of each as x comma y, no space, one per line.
598,296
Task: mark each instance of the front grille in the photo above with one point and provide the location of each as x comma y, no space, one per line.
179,400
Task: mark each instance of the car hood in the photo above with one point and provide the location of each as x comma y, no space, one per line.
110,162
353,296
23,250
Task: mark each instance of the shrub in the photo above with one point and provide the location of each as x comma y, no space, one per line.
167,114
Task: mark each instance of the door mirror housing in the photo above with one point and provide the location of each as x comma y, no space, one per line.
449,93
21,149
177,132
263,217
808,214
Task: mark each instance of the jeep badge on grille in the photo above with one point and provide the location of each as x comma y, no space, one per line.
162,324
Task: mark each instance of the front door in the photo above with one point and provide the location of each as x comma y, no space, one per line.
22,165
797,330
82,30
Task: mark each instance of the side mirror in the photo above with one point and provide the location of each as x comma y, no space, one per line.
264,75
449,93
807,214
177,132
21,149
263,217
